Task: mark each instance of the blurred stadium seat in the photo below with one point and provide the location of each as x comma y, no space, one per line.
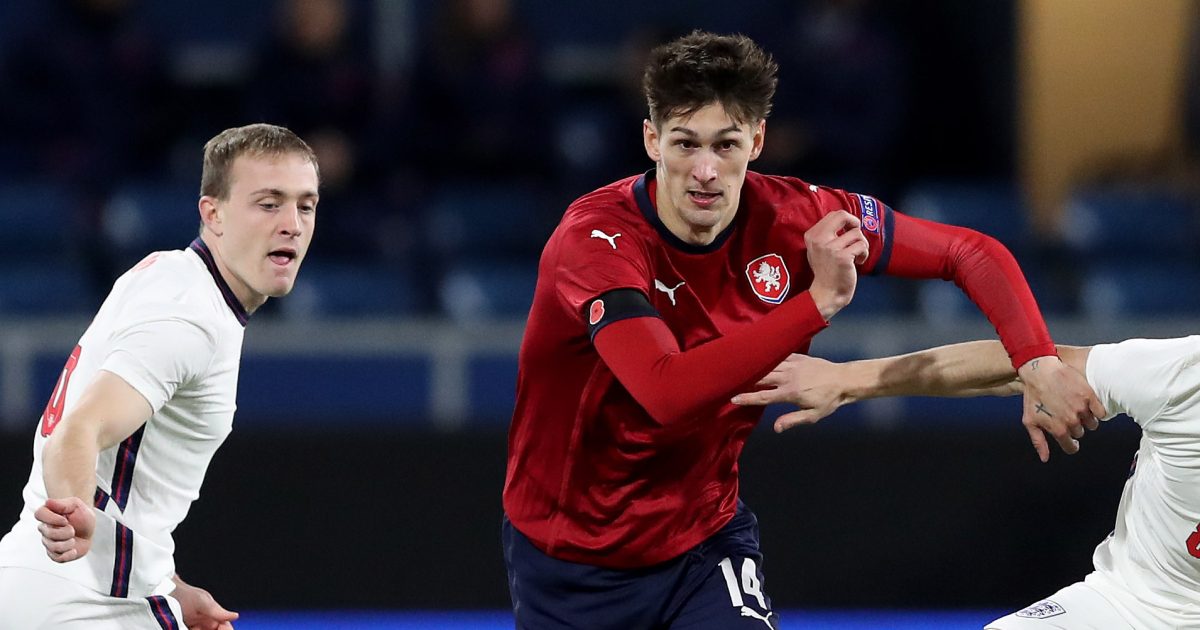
1118,222
882,295
994,208
344,290
1141,289
475,221
38,219
46,288
147,216
487,290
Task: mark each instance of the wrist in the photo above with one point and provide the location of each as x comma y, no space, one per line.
828,302
1034,367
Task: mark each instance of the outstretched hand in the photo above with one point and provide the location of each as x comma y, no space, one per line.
1058,401
66,526
809,383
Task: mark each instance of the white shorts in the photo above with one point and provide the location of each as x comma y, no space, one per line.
32,599
1076,607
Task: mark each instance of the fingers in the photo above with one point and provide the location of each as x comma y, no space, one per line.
1098,411
765,397
220,614
56,533
835,222
49,517
853,242
62,506
795,419
1039,443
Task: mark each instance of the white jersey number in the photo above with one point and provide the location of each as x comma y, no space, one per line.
750,584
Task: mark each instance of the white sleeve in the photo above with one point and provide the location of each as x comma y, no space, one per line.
1141,377
159,354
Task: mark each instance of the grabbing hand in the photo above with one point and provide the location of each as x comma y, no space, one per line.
809,383
200,610
1058,401
835,244
66,526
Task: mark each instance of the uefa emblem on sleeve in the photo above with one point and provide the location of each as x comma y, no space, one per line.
769,278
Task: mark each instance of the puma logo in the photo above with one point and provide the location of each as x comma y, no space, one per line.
612,240
750,612
670,291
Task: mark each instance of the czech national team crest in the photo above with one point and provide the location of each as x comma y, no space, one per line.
769,278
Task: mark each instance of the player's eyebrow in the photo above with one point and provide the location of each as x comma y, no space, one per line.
684,130
276,192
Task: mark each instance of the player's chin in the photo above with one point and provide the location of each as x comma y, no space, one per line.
280,286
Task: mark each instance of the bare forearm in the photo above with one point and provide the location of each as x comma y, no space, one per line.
977,368
69,461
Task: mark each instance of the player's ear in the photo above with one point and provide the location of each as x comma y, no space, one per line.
650,139
756,143
210,214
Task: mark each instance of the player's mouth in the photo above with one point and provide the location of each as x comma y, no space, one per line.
282,256
703,198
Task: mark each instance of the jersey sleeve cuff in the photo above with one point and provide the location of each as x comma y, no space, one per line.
1029,353
810,316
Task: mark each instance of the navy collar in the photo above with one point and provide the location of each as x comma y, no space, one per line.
231,300
641,193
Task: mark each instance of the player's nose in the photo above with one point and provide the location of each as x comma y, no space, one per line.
705,170
290,222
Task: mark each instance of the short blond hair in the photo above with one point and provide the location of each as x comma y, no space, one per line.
257,139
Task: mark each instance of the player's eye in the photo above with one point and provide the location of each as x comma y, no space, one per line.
685,144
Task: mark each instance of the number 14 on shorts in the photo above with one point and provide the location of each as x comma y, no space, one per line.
750,586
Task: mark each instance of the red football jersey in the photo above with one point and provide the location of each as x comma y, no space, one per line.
630,474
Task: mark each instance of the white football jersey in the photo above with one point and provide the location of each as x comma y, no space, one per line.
172,329
1149,567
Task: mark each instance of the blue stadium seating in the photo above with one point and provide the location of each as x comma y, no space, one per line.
1144,221
487,290
147,216
38,220
344,290
994,208
477,221
46,288
1141,289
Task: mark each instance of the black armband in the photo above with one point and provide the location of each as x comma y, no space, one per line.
614,306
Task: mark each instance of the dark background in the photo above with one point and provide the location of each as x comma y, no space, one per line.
937,518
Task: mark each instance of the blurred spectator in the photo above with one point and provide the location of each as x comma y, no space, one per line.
314,73
840,109
479,101
315,76
86,97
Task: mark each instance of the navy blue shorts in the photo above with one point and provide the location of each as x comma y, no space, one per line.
717,584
